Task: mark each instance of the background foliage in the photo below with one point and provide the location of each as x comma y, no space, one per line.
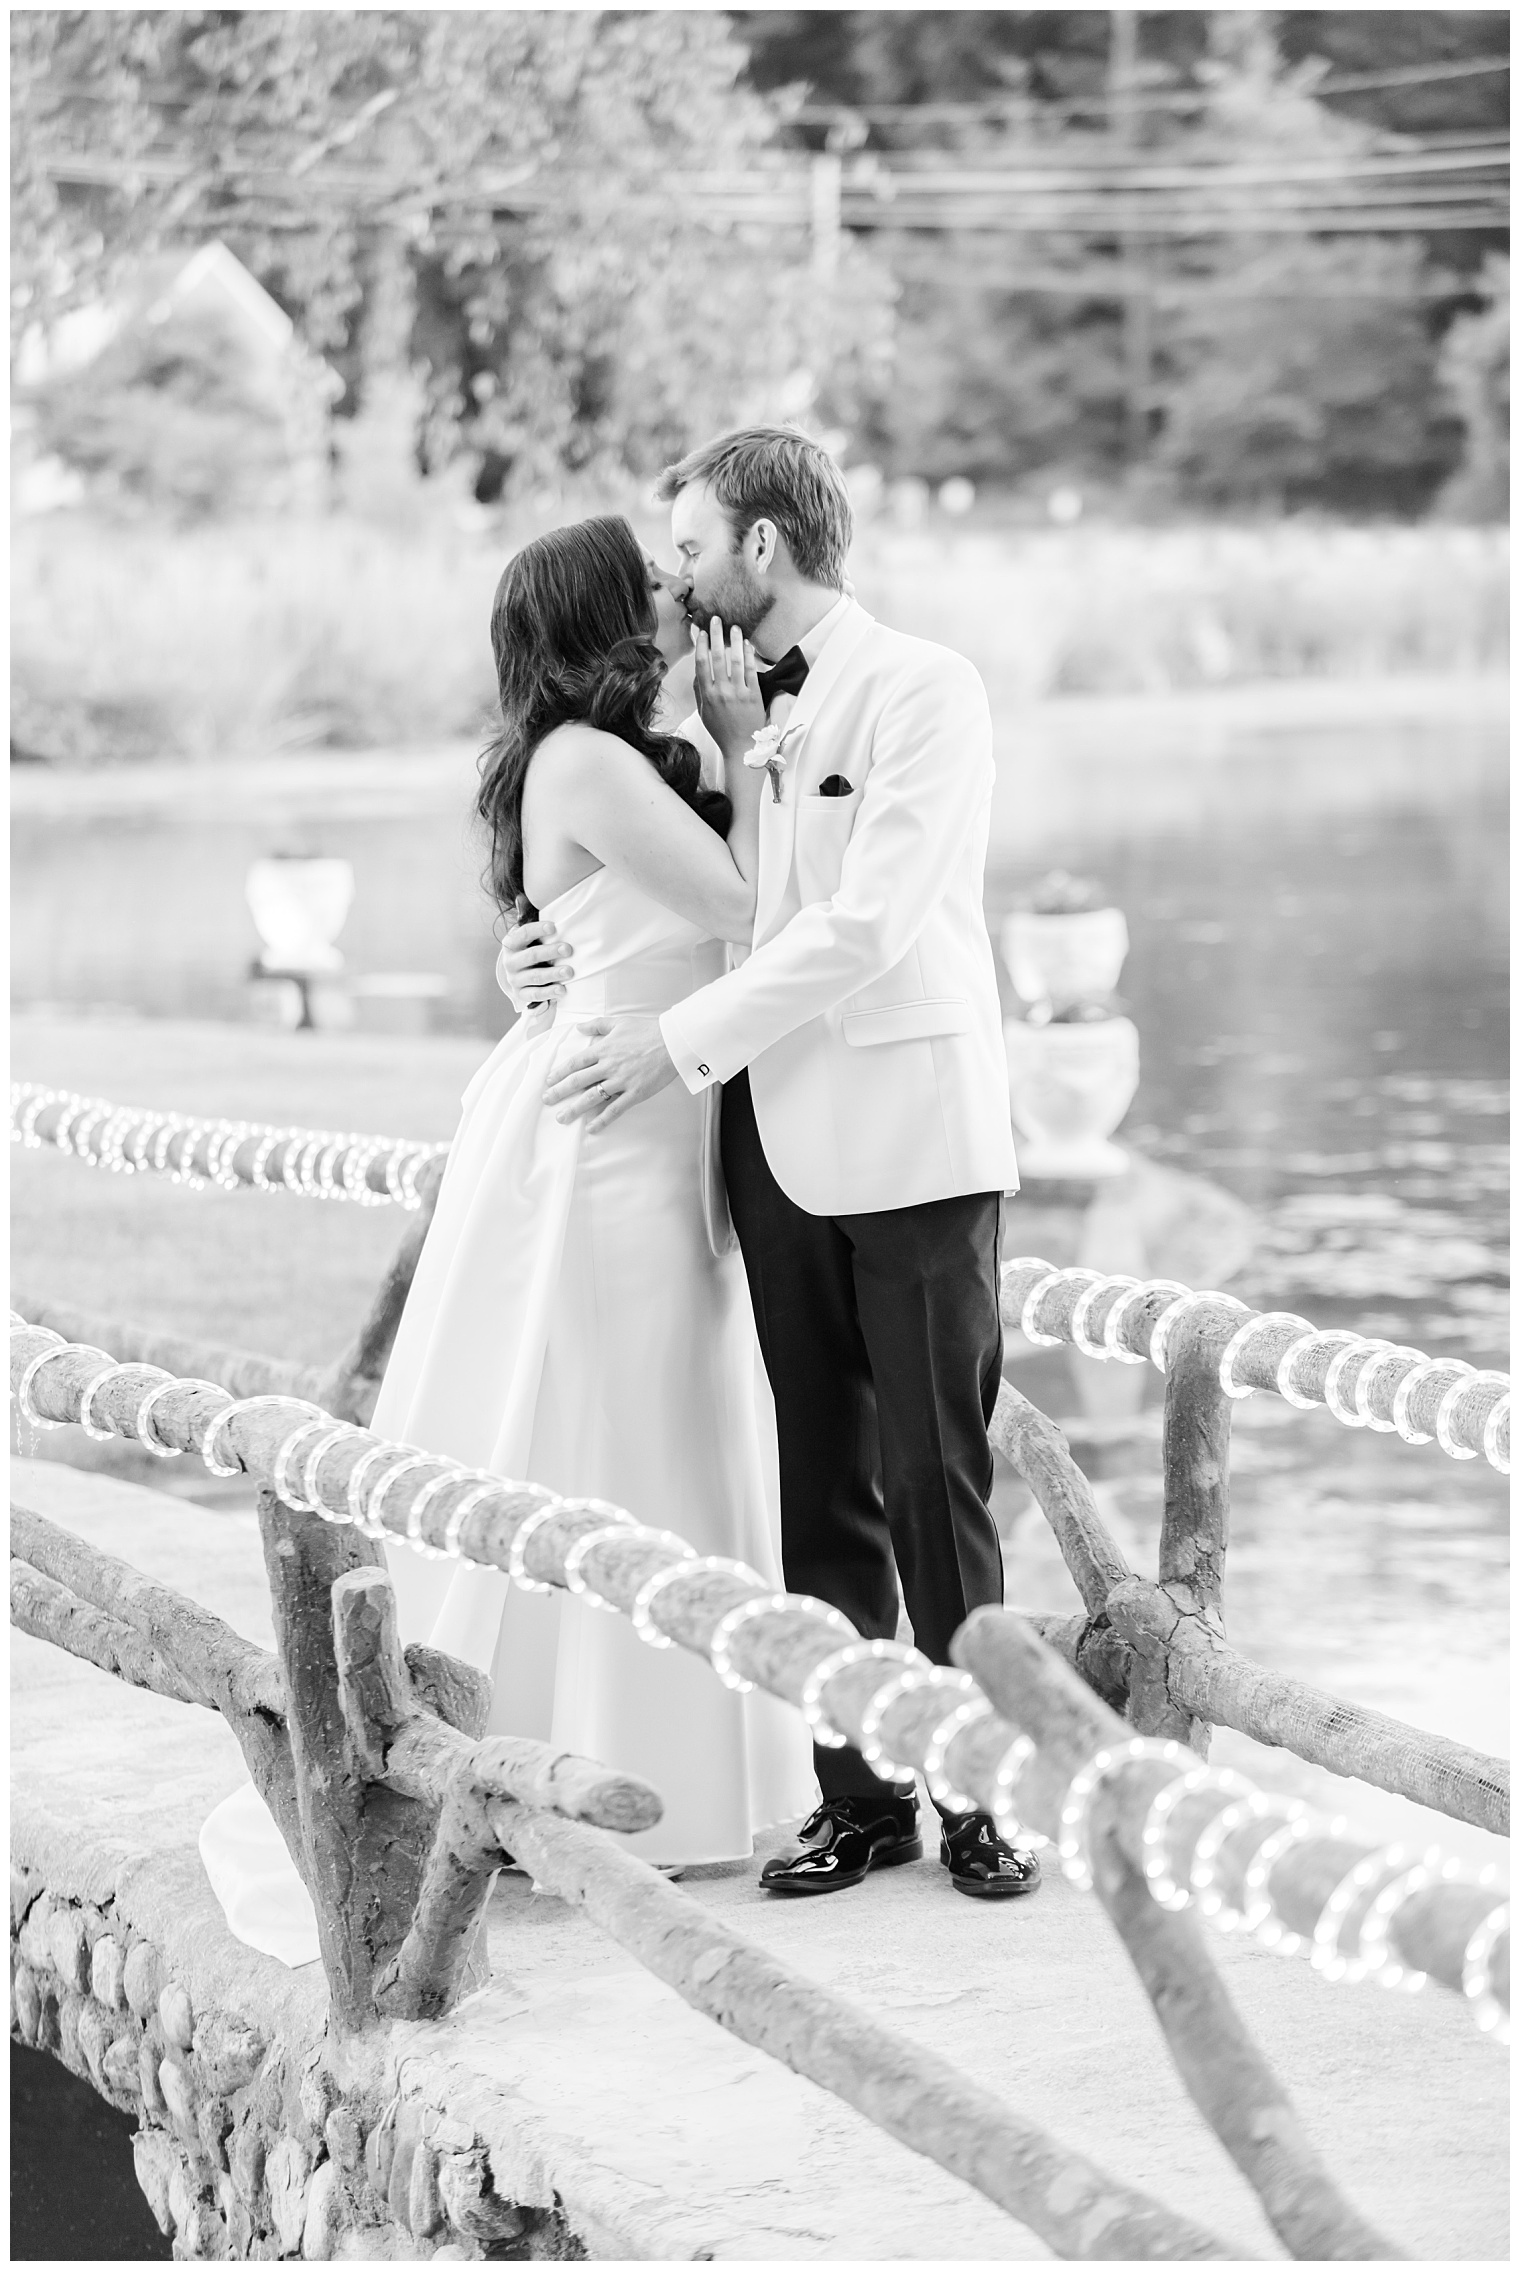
1286,372
592,335
169,419
495,231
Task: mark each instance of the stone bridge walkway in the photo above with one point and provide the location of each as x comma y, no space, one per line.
656,2135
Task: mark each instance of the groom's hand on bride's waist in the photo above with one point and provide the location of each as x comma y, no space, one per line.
622,1062
534,966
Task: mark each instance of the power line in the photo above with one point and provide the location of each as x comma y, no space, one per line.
1174,99
1393,222
1412,75
1411,178
1166,175
1162,203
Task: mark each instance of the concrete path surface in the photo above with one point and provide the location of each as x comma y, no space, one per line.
665,2138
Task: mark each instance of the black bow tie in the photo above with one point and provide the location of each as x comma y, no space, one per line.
783,677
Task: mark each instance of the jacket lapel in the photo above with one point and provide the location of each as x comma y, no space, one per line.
778,822
826,671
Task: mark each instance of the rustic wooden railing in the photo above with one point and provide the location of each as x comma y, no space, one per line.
371,1762
341,1710
364,1725
1158,1649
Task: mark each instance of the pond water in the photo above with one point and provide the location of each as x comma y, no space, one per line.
1321,993
1319,980
1316,889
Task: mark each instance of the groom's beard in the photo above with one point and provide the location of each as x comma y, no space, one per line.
736,596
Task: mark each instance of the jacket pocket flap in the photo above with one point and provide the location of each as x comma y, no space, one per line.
906,1021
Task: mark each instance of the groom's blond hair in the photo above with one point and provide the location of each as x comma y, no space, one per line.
775,473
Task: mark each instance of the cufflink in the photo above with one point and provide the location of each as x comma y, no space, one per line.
705,1071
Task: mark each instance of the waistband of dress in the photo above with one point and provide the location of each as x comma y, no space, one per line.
625,993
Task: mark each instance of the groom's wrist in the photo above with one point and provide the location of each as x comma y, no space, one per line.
693,1069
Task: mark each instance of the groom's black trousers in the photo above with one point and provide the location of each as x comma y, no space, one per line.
884,1345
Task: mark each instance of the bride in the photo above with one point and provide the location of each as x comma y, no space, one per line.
579,1316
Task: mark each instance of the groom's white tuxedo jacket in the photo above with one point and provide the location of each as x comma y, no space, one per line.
867,1009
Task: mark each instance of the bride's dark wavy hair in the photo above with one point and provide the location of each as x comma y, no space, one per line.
573,633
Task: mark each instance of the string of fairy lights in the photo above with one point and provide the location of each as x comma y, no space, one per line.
1360,1386
1364,1902
1358,1381
127,1139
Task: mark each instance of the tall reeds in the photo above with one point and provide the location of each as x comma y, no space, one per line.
234,640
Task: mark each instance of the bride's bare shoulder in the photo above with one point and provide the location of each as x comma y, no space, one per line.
577,755
577,743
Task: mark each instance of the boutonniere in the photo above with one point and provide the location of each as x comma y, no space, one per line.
768,749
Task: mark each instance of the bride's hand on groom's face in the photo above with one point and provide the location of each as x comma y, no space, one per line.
534,966
619,1066
727,679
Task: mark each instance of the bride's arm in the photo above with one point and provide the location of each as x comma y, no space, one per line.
610,800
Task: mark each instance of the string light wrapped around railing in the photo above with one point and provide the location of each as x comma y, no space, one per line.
879,1678
393,1492
126,1139
1199,1812
1364,1381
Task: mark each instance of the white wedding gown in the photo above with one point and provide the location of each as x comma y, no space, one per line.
569,1324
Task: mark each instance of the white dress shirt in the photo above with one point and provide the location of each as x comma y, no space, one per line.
812,644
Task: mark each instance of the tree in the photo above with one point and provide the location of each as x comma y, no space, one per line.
512,165
1312,381
1386,44
991,382
1281,367
617,327
965,55
1299,372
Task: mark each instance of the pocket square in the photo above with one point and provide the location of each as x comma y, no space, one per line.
835,785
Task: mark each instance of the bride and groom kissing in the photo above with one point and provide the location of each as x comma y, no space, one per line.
757,1095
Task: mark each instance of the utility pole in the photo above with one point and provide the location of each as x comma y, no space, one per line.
827,185
1134,282
826,182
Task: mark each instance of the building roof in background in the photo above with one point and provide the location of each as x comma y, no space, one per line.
210,277
213,275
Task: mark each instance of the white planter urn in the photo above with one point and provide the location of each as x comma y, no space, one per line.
1065,957
1069,1086
299,906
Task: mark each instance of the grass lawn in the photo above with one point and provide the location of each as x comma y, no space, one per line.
282,1275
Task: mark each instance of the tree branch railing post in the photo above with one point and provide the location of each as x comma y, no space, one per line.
1227,2076
1195,1511
363,1846
154,1638
350,1387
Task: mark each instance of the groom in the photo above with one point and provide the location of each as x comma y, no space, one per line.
864,1126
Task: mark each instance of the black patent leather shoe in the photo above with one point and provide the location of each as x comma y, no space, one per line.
842,1843
983,1864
